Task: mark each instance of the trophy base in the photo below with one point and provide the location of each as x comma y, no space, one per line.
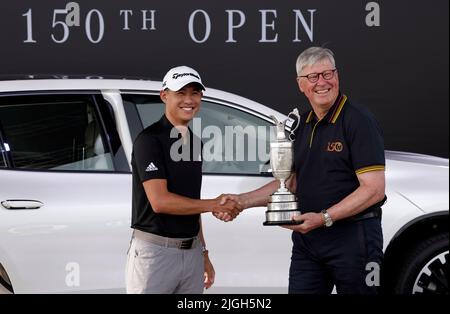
281,217
282,223
282,206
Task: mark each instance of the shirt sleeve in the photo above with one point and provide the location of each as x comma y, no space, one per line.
366,142
149,159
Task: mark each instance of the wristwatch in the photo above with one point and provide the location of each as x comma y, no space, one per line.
327,218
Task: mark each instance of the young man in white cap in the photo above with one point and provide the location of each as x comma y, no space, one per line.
168,253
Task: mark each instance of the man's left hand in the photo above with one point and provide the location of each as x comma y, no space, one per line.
311,221
210,273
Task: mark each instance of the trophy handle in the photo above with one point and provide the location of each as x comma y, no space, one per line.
296,115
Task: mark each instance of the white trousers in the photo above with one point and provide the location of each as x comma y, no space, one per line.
156,269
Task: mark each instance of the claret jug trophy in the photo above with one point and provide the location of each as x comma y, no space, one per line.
283,204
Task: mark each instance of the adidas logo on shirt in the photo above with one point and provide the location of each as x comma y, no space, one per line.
151,167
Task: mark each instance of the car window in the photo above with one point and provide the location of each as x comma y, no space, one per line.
54,132
234,141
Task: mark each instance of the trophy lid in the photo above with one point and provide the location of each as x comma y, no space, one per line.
281,136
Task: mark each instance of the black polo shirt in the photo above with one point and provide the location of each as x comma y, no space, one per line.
328,154
151,159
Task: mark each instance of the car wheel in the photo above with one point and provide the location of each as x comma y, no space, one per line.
426,270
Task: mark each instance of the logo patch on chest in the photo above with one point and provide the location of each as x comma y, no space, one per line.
335,147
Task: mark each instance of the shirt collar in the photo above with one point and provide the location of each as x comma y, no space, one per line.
333,112
167,125
165,122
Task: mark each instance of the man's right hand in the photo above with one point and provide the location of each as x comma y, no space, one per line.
226,207
228,199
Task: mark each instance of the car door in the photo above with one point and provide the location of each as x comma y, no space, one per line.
65,193
247,256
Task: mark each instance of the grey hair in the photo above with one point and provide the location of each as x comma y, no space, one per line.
313,55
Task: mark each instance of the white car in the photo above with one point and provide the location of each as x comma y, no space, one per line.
65,194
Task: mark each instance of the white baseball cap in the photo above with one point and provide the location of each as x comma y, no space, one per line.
178,77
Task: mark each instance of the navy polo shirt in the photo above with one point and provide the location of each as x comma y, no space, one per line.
328,154
151,159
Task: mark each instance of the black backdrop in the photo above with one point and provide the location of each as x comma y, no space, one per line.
398,67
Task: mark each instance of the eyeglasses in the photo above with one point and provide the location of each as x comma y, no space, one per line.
314,77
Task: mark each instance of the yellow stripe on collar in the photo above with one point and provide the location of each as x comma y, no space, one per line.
339,109
310,115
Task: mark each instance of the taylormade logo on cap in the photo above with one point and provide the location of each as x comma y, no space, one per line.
178,77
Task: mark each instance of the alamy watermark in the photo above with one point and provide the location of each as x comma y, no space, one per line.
230,143
72,274
373,276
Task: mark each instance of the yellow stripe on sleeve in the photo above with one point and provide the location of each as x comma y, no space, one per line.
370,168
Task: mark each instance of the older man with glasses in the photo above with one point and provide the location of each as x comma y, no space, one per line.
339,179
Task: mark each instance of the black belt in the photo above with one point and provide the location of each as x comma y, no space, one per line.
182,244
373,213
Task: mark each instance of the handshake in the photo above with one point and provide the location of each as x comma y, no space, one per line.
228,207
